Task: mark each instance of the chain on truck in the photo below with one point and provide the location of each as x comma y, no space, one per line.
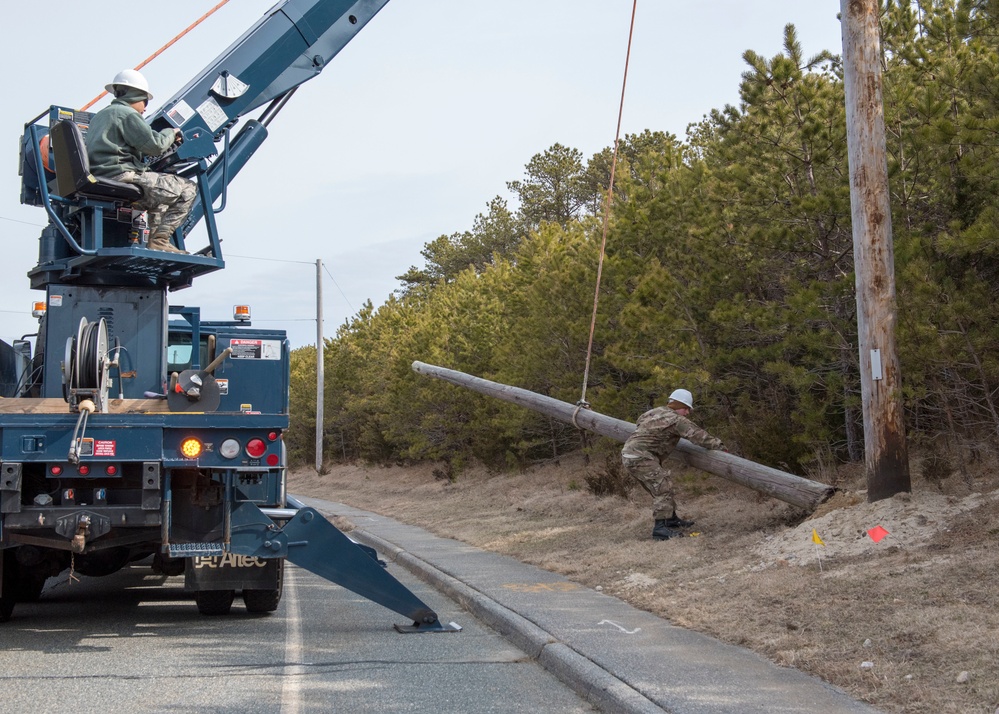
135,429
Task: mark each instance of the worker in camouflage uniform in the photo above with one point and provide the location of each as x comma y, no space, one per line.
656,435
119,139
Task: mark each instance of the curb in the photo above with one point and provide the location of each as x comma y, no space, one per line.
590,681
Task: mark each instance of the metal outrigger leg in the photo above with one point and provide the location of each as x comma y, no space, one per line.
311,542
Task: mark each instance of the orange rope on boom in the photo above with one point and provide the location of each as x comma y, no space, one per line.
607,209
160,51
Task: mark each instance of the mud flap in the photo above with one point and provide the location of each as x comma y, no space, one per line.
230,572
311,542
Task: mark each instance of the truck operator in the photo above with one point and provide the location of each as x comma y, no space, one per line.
119,139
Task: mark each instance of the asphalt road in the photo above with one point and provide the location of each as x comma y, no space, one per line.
532,641
134,642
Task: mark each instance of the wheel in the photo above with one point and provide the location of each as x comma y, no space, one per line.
30,586
214,602
265,600
8,590
165,565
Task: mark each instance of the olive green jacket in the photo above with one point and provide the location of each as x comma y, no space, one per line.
119,139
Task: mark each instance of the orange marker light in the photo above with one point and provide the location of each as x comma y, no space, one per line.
38,308
241,312
191,448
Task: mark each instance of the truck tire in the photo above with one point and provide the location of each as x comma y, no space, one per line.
170,567
214,602
30,587
265,600
8,591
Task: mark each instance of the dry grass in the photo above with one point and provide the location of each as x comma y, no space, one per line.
922,605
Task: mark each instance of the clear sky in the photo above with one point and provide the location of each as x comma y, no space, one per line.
405,136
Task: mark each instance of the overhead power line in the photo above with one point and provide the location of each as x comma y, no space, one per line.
272,260
27,223
338,287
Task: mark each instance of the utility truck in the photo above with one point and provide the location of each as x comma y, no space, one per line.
130,427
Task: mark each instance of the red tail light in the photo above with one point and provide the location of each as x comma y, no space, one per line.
255,448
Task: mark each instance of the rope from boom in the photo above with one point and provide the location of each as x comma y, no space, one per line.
607,210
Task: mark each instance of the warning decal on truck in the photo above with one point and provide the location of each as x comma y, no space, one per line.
255,349
96,447
212,113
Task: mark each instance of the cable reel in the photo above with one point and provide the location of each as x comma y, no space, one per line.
86,365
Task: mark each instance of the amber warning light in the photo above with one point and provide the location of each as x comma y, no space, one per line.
190,448
241,313
38,308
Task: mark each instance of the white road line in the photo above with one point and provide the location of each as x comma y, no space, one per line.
291,682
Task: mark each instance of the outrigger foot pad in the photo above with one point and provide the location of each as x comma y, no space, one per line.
434,626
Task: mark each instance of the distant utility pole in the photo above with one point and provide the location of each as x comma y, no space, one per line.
887,457
320,374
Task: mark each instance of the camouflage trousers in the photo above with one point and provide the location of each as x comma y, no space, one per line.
655,479
167,197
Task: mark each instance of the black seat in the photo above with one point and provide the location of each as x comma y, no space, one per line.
73,168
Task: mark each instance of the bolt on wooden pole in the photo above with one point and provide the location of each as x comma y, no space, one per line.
886,452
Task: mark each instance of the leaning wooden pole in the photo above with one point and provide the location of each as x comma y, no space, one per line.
786,487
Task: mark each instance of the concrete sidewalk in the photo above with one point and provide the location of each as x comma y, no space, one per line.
617,657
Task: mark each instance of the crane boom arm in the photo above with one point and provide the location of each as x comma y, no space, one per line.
289,45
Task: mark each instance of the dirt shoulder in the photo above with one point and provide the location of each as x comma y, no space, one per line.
908,624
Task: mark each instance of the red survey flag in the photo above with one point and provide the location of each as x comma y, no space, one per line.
877,533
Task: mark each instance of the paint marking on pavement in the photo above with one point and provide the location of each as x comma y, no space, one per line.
625,631
291,682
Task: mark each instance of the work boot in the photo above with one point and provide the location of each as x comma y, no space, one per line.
662,531
162,242
675,521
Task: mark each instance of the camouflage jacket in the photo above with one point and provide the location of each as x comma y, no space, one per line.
658,431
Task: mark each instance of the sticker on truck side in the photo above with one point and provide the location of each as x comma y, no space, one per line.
97,447
255,349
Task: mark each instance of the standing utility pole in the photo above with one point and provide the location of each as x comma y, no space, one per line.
887,456
320,375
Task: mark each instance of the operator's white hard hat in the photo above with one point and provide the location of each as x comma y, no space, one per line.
682,396
129,78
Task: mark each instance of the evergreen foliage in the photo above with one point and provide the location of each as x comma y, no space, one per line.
729,271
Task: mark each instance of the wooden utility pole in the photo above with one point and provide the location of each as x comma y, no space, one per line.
887,458
786,487
320,372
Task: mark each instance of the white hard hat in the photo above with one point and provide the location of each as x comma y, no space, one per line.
129,78
682,396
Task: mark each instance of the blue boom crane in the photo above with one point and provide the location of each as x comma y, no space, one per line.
134,428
